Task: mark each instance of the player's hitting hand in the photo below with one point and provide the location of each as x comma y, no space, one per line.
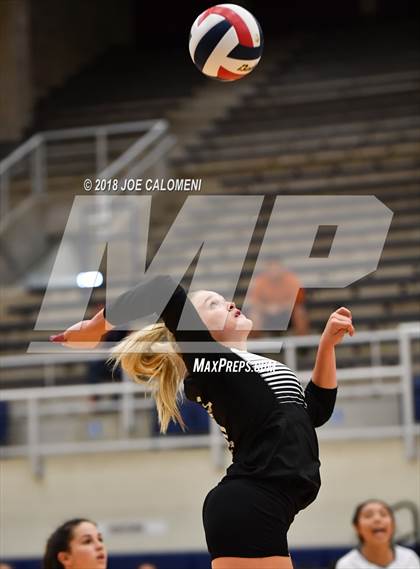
85,335
339,324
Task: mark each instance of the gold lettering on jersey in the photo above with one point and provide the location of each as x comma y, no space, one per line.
209,408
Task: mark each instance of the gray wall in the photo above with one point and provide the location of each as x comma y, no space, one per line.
43,43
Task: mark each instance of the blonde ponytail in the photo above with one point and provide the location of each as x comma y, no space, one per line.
147,356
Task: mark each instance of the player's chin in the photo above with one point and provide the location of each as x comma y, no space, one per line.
243,323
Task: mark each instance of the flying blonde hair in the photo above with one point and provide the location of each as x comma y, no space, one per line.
148,356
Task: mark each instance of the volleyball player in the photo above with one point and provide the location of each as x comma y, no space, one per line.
76,544
374,524
266,417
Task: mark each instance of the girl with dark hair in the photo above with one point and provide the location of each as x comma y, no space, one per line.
76,544
374,523
263,412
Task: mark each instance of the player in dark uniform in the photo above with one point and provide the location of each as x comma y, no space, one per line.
259,404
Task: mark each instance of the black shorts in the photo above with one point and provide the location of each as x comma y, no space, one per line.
247,518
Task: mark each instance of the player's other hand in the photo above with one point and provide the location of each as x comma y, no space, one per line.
338,324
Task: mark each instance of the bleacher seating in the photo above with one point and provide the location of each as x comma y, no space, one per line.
121,86
334,123
331,122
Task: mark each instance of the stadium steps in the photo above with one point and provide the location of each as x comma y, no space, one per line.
356,178
59,188
368,301
23,316
321,132
362,132
288,120
104,93
121,84
312,100
341,142
19,330
398,249
364,143
298,159
198,103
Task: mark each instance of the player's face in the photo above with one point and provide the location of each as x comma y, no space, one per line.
86,549
222,318
375,524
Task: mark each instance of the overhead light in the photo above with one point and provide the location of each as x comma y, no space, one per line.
89,279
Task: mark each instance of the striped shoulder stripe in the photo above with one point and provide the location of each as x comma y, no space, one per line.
283,383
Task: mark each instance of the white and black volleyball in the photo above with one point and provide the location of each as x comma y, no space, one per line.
226,42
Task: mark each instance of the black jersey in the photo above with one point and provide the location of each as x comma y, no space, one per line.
266,417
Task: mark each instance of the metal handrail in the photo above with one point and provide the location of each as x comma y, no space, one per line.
20,152
344,375
72,133
35,449
35,147
414,512
62,355
152,135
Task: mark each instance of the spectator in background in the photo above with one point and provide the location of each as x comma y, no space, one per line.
76,544
374,524
5,566
275,293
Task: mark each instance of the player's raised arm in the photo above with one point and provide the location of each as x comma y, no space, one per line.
160,295
321,391
338,324
86,334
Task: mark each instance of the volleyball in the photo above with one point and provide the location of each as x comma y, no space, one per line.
226,42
